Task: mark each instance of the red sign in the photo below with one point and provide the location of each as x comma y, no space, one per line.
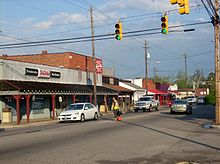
98,66
44,74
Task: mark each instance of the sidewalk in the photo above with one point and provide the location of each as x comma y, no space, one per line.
23,123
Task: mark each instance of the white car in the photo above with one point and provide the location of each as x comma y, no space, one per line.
146,103
192,100
79,112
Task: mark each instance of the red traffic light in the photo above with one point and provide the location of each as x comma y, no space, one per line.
117,25
163,19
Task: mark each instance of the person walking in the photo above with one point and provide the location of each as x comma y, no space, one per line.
115,108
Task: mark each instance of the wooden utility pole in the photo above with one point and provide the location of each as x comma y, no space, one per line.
217,76
146,66
186,83
93,59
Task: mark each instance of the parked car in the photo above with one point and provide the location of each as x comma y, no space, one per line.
181,106
79,111
146,103
201,100
192,100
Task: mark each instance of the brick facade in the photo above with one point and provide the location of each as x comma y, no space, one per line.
67,60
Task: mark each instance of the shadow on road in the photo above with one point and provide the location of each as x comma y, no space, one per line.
201,115
2,129
174,136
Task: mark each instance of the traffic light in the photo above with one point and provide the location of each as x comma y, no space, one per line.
118,31
183,4
164,24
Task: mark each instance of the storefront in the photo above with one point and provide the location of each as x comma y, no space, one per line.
38,86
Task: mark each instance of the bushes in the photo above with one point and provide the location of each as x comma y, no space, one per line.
210,99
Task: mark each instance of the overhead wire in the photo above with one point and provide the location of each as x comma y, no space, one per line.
104,35
211,6
209,13
133,32
70,2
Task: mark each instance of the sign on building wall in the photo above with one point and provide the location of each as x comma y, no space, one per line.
31,71
55,74
42,73
98,66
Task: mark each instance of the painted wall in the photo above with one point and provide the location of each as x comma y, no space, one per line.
14,70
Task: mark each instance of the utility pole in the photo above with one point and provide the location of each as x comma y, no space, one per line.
93,58
146,66
217,76
186,84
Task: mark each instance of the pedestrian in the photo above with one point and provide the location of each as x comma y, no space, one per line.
115,108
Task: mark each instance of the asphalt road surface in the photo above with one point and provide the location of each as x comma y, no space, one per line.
149,137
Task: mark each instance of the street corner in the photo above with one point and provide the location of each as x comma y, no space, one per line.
210,125
215,126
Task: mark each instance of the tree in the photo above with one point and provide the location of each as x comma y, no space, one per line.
210,83
180,80
162,80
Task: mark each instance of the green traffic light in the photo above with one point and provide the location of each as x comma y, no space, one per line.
164,31
118,37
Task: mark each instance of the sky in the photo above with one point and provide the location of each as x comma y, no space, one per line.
38,20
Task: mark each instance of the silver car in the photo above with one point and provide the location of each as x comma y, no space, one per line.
181,106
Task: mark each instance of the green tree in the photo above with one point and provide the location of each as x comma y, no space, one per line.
162,80
180,80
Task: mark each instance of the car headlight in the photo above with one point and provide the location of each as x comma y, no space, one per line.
77,113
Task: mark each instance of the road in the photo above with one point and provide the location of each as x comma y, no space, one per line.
150,137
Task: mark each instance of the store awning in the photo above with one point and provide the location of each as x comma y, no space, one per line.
12,87
118,88
156,91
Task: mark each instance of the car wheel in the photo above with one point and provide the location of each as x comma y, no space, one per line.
82,118
171,112
136,110
157,108
150,108
95,116
144,110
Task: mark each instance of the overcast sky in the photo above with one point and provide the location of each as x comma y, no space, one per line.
35,20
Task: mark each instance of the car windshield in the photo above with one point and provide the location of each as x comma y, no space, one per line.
179,102
145,99
75,107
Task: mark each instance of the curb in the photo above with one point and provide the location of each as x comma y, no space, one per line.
37,123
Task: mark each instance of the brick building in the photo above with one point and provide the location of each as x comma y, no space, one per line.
40,85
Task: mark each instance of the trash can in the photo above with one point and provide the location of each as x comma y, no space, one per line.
6,115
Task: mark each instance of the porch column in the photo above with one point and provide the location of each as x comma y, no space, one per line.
106,104
17,98
28,107
73,98
53,106
90,98
161,99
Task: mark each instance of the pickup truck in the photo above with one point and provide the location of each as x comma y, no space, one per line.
146,103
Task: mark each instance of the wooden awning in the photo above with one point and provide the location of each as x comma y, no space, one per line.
12,87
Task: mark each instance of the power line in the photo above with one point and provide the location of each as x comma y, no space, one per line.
61,41
75,5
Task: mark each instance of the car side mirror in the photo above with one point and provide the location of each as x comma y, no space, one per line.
86,108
